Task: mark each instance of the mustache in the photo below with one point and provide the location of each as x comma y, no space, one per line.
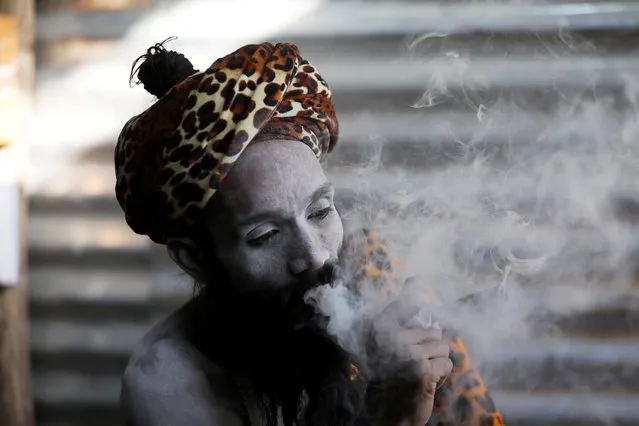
313,278
303,313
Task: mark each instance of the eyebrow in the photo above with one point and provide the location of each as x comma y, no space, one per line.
322,190
268,214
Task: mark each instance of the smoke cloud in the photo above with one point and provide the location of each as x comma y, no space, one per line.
527,204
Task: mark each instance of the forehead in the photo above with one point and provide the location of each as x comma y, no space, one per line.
277,174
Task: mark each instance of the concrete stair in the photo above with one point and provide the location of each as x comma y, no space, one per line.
508,75
90,303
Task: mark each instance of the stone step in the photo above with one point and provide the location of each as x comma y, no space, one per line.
99,205
98,346
495,87
74,309
584,254
64,220
476,73
574,409
73,233
113,282
92,292
91,5
92,256
80,238
81,291
425,139
413,140
90,284
69,23
113,285
320,19
601,322
77,416
564,364
370,73
102,346
546,44
387,17
60,55
76,399
436,134
72,396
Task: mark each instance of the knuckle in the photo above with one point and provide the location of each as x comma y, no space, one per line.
443,348
434,333
449,366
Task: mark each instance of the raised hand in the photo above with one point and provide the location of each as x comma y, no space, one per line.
409,360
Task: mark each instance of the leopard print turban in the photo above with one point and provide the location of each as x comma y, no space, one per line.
171,159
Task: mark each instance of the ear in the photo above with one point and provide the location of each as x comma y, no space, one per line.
186,255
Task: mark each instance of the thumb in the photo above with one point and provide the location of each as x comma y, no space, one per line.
442,382
425,408
430,388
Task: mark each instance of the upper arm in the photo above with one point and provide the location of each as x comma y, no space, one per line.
170,385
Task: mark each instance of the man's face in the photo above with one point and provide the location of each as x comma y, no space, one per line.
273,220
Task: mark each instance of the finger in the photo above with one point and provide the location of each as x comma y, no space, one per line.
410,300
429,351
437,368
422,319
414,286
388,317
400,311
414,311
411,337
442,382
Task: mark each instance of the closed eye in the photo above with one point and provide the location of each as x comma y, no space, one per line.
321,214
262,239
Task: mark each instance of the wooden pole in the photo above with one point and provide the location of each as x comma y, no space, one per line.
16,405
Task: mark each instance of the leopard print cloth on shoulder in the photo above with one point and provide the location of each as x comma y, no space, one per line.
464,399
172,158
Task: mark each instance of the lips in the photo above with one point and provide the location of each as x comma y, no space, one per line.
297,308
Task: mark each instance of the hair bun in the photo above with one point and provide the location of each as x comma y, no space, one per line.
161,69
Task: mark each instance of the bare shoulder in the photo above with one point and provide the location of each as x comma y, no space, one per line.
164,365
167,381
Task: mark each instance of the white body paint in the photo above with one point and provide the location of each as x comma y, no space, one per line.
278,195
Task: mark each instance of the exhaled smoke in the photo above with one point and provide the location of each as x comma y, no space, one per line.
524,202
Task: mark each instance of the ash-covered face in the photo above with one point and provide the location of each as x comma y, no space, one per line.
273,220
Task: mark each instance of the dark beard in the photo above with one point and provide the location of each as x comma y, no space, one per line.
284,349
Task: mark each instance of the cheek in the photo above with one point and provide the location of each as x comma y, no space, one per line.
249,267
333,234
244,264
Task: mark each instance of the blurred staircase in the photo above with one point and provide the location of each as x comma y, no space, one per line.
96,287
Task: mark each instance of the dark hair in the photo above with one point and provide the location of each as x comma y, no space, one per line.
290,367
294,367
160,69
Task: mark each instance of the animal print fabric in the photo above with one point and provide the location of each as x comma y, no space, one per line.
171,159
463,400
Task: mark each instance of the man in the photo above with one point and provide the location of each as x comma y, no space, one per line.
224,170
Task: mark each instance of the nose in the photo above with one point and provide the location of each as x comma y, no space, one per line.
308,254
